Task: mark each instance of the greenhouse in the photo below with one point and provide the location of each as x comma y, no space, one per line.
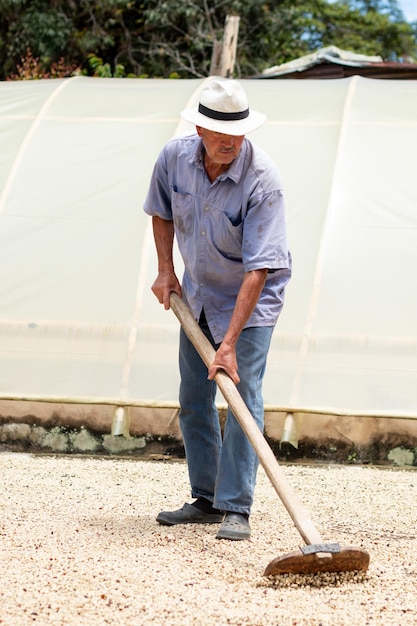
79,323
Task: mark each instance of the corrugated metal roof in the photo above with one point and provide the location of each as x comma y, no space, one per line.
332,62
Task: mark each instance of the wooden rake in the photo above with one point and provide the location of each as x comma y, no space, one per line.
316,555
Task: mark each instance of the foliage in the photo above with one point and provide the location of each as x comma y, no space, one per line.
366,27
30,68
104,70
48,38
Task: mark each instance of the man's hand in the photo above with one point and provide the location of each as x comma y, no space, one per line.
165,282
225,360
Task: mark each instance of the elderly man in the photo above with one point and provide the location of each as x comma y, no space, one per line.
221,197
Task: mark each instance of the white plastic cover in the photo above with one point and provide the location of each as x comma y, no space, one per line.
77,317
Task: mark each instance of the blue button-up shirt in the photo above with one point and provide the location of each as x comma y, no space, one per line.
223,229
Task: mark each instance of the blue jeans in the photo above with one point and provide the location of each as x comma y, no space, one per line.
223,472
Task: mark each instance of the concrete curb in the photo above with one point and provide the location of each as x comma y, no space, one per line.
154,432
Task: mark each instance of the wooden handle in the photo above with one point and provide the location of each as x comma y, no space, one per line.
298,513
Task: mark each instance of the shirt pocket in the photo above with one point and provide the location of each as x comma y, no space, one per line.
229,237
183,212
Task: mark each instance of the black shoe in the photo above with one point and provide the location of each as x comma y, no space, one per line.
188,514
235,527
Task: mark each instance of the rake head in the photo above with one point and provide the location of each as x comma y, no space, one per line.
308,560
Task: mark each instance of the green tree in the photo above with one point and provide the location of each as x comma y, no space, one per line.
175,38
34,26
370,27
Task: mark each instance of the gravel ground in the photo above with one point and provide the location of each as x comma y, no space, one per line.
80,546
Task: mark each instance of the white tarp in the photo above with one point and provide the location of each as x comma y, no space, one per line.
77,317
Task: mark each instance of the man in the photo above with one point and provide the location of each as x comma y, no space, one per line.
222,199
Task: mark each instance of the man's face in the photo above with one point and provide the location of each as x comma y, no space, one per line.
220,149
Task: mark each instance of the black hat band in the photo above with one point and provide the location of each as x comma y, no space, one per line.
219,115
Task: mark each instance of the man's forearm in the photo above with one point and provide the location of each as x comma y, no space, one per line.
163,232
166,281
247,299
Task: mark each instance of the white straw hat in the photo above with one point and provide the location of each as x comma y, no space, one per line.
224,108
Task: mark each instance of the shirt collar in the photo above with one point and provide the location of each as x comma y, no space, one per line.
235,169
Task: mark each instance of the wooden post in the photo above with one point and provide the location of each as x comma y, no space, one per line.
224,53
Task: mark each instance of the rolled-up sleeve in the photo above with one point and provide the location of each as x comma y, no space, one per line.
158,199
264,241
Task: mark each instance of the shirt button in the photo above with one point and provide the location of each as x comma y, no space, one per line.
203,232
206,208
